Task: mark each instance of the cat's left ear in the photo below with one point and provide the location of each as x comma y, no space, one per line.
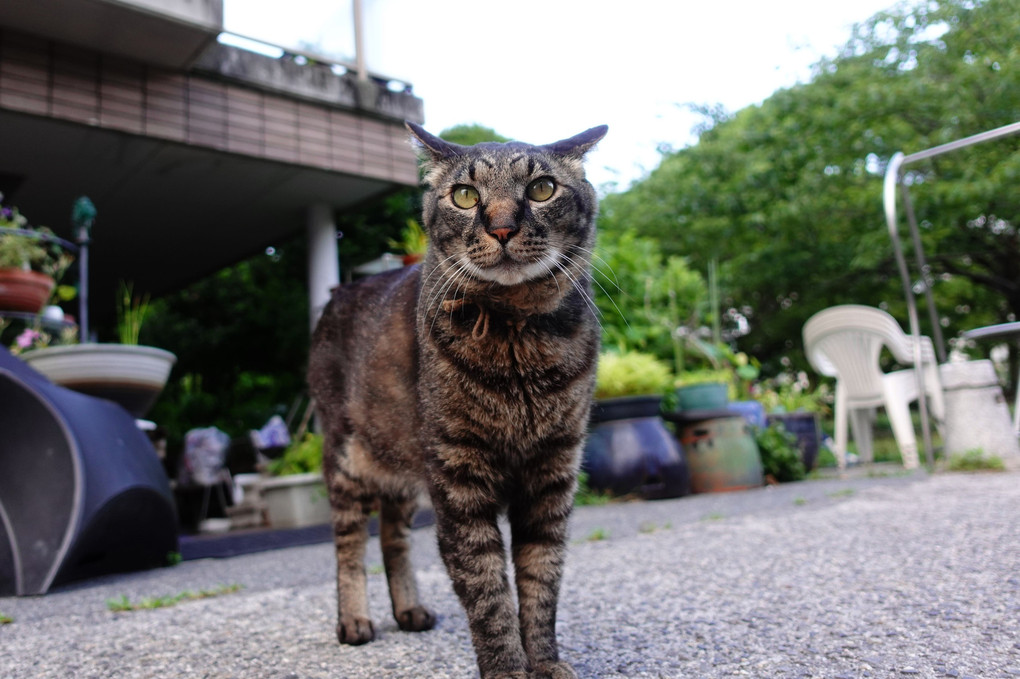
437,148
579,144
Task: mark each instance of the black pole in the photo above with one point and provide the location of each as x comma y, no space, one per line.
82,217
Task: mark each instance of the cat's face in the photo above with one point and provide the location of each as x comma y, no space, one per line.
508,213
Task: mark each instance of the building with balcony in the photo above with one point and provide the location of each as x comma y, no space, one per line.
196,154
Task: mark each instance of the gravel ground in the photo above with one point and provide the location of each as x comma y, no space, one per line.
900,576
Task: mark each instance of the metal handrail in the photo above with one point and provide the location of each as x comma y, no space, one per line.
894,180
276,51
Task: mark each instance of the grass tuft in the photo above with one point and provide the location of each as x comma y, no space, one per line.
123,604
586,496
975,460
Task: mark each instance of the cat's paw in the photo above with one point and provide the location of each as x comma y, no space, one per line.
416,619
553,670
355,631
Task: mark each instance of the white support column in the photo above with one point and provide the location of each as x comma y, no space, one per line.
323,259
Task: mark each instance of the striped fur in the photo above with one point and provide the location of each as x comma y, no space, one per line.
469,377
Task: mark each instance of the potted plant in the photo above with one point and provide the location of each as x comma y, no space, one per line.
792,402
412,242
705,389
629,449
294,490
716,433
126,373
780,454
32,260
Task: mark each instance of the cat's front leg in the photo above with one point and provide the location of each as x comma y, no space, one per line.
538,524
472,549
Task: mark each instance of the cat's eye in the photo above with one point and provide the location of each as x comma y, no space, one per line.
464,196
541,189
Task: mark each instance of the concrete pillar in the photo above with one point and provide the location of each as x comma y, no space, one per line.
323,259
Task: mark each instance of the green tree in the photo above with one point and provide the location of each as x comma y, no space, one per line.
469,135
647,301
788,194
241,340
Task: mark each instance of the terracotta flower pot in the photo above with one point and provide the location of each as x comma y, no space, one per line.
24,290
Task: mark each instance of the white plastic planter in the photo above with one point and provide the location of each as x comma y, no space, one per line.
295,500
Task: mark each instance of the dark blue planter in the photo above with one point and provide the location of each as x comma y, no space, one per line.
635,454
808,430
752,411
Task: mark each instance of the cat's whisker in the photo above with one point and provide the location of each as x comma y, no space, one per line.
431,273
458,274
590,252
589,302
458,291
584,290
435,301
439,289
603,289
438,292
559,291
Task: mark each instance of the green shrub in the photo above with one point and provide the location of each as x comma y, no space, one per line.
586,495
780,457
631,373
975,460
300,457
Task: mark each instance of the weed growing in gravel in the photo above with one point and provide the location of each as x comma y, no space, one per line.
5,619
597,535
845,492
975,460
714,516
376,569
800,501
586,496
124,604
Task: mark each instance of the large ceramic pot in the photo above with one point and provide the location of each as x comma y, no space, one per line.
24,290
722,454
630,451
131,376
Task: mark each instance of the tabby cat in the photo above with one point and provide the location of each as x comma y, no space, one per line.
469,376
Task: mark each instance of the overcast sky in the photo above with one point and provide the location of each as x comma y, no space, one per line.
539,72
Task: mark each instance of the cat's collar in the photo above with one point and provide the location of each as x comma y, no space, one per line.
481,327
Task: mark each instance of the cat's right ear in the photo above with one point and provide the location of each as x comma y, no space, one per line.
437,148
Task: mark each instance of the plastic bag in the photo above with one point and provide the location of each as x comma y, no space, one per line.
273,435
205,452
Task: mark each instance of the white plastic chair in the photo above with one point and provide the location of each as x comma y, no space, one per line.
845,342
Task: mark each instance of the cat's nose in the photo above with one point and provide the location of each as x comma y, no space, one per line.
503,233
501,221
